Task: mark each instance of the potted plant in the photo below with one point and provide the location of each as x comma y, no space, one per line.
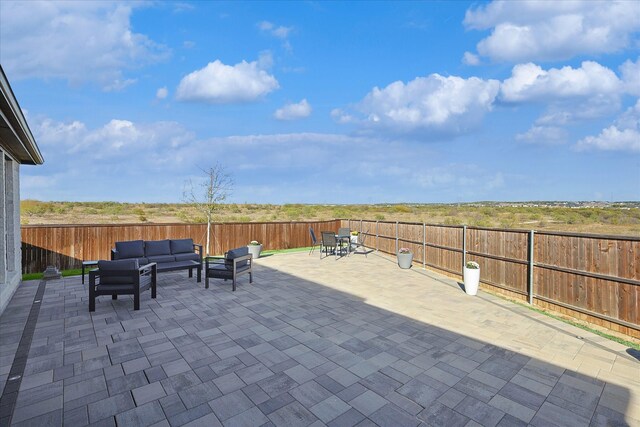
255,248
354,236
405,257
471,277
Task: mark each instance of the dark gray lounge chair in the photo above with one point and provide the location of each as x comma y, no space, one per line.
122,277
236,262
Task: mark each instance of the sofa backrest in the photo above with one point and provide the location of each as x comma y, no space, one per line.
111,271
130,249
157,247
152,248
181,246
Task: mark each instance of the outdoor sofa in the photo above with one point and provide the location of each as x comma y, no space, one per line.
169,255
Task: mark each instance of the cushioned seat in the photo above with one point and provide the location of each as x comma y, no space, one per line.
162,258
187,257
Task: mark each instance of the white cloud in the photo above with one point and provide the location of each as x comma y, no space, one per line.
218,83
529,82
554,30
117,139
631,76
76,41
470,59
449,105
118,85
172,154
546,135
623,135
280,32
162,93
293,111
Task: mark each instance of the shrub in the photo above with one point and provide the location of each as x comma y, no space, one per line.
472,265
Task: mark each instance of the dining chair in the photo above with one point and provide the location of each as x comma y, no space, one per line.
329,243
314,241
344,239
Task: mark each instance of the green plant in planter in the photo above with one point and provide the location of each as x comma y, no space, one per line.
355,233
404,251
254,243
472,265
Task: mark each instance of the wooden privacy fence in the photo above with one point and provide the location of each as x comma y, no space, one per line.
66,246
587,276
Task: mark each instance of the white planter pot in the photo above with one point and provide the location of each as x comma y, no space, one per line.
255,250
404,260
354,239
471,280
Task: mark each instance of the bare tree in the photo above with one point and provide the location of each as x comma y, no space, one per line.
207,195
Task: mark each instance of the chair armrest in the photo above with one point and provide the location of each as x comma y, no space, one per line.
243,258
147,268
92,276
247,257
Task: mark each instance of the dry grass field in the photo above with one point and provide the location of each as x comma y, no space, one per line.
618,219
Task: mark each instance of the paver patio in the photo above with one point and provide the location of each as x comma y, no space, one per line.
354,341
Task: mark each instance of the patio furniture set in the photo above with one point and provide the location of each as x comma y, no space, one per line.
135,264
339,244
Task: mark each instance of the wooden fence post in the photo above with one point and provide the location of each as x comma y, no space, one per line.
530,289
397,247
377,235
424,245
464,247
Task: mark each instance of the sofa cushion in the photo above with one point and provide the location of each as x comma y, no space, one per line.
107,269
181,246
156,247
188,257
235,253
162,258
130,249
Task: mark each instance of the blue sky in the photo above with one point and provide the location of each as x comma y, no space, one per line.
318,102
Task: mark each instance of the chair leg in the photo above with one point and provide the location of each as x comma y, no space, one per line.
250,277
190,272
136,300
206,282
234,283
92,299
199,274
114,296
153,290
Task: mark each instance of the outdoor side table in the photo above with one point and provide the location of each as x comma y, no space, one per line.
87,264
